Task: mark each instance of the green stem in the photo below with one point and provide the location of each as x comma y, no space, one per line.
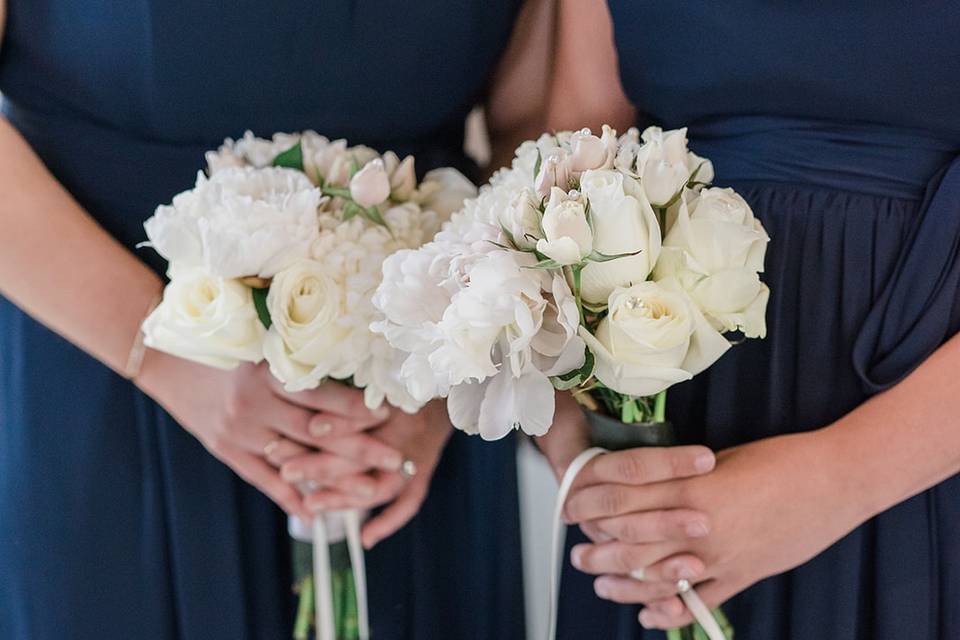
674,634
301,627
577,271
660,407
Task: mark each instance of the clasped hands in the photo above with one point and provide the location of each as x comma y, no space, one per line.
722,522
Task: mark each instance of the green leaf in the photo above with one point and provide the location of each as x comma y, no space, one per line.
260,304
509,235
373,215
292,158
350,211
596,256
545,264
576,377
354,166
337,192
537,164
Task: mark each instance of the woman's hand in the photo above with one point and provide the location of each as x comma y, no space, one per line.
421,438
246,419
772,505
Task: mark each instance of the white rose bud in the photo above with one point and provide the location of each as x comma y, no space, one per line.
652,338
403,177
623,223
554,172
587,151
663,164
715,250
305,304
522,219
371,185
569,238
206,319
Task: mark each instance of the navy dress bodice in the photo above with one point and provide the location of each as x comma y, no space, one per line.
114,522
838,122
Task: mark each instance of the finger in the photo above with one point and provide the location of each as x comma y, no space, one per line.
279,450
617,557
361,491
647,465
320,467
396,515
656,526
592,531
335,398
326,425
366,451
671,613
630,591
259,473
604,501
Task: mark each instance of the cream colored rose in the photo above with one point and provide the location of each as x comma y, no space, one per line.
303,344
206,319
715,250
665,165
521,218
623,223
569,238
652,338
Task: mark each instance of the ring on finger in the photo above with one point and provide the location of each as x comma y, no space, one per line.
639,574
272,446
408,469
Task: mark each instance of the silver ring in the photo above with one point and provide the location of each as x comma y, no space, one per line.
408,469
639,574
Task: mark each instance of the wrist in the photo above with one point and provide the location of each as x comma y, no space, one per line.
854,476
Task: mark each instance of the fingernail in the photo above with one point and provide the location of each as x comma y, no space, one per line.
685,572
576,557
602,588
704,462
363,491
697,529
392,462
292,475
320,429
646,620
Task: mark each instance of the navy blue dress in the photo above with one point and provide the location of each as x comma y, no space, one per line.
839,123
114,522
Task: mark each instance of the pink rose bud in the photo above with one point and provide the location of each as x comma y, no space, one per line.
587,151
371,185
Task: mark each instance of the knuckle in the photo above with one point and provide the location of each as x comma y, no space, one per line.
623,557
631,467
611,500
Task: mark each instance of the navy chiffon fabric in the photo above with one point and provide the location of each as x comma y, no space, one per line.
838,123
114,522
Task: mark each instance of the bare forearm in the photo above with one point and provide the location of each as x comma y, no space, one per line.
904,440
59,266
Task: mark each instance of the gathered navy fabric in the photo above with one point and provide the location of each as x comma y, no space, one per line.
114,522
838,124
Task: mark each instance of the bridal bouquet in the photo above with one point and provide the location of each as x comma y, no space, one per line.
275,255
603,265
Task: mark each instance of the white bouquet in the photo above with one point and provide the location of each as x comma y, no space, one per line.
275,254
606,265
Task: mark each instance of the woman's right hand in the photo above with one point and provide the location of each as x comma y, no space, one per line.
246,419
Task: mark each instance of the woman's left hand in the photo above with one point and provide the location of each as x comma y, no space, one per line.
422,438
772,505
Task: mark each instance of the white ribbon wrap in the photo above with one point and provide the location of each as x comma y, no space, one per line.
689,595
326,528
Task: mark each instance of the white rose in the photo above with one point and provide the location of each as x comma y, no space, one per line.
521,218
568,236
371,185
304,343
206,319
623,223
665,165
555,171
715,249
652,338
240,222
587,151
403,176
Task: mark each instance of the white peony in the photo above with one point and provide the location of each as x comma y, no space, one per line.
207,319
623,223
240,222
444,191
652,338
715,250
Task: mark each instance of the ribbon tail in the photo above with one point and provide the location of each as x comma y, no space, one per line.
700,612
323,581
351,521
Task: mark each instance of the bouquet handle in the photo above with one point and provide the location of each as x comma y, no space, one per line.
323,576
691,599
